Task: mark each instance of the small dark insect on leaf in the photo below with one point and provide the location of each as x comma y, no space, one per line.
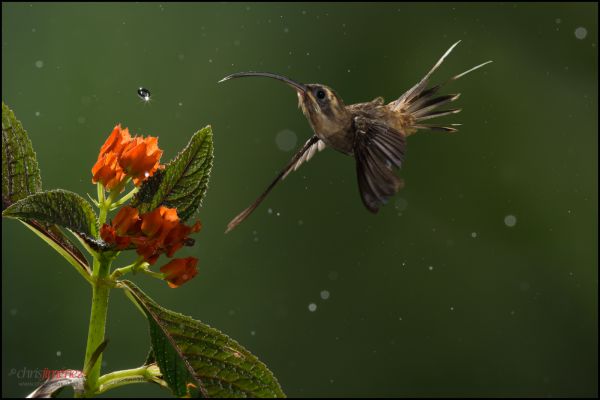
144,94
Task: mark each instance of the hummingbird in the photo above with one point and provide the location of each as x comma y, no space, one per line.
374,133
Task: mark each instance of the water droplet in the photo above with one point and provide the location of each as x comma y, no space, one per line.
510,220
312,307
325,294
58,353
270,211
580,33
39,64
253,333
278,214
333,276
401,204
430,267
300,222
286,29
144,94
180,104
473,235
286,140
558,20
81,120
37,113
451,308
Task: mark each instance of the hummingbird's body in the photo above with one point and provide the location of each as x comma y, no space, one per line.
374,133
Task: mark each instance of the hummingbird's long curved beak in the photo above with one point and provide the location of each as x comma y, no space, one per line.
298,86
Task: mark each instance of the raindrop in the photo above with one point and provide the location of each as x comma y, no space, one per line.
37,113
558,20
430,267
324,294
253,333
270,211
401,204
312,307
580,33
286,140
144,94
58,353
510,221
300,222
39,63
473,235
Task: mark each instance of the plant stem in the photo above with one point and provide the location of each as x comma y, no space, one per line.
125,198
97,325
136,375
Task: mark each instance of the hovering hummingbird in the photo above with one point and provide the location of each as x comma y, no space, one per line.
374,133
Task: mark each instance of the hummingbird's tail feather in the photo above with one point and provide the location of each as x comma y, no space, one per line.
244,214
420,103
379,150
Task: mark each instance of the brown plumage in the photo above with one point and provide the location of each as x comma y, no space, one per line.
374,132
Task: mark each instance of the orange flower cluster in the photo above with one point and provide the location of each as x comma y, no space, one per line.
154,233
122,156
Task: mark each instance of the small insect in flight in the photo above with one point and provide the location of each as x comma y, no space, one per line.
374,133
144,94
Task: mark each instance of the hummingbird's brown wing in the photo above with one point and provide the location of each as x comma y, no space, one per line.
379,151
313,141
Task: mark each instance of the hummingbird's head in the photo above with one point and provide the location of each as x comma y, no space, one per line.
323,108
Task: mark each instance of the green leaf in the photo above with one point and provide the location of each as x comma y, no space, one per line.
188,351
58,207
183,182
58,241
20,171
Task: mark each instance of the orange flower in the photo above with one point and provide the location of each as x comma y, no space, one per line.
121,156
109,235
127,221
154,233
180,270
140,159
107,169
162,233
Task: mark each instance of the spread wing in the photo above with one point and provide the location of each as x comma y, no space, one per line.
319,145
379,151
304,154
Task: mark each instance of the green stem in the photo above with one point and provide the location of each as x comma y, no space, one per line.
105,204
128,376
101,289
125,198
119,272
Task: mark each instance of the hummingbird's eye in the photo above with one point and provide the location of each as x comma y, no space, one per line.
320,94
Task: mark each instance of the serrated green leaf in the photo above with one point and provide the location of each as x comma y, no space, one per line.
183,182
21,178
188,351
58,207
20,171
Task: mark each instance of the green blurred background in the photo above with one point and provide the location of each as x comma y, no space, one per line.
436,295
